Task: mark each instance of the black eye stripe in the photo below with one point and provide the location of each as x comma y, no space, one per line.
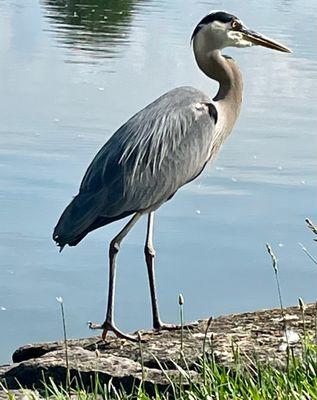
216,16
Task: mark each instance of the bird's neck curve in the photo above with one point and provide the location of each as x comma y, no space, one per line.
228,99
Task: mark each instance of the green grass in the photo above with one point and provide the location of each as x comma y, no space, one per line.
255,381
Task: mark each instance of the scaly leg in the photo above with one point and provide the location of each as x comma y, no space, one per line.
109,325
149,258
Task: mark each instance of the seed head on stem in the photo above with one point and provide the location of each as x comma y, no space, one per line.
302,304
273,257
275,268
311,226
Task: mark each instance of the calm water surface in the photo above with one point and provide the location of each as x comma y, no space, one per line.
71,72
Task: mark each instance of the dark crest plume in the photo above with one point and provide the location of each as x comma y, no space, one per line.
214,16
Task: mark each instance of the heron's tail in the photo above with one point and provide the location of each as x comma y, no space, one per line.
81,216
76,221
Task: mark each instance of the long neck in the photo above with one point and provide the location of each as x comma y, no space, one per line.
229,97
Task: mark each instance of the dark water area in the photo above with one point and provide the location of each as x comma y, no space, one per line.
71,73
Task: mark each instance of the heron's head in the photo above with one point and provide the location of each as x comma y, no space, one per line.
219,29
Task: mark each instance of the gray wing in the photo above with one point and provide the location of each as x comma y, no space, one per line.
161,148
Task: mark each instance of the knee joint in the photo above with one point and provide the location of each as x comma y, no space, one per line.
114,247
149,251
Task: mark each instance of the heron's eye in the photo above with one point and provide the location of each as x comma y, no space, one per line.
235,25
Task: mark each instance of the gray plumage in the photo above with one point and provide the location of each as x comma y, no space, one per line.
143,164
160,149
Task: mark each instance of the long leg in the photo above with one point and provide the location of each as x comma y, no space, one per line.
149,258
114,248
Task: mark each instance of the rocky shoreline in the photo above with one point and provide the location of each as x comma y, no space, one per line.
260,333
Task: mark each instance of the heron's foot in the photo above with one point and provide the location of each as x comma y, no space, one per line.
109,327
161,326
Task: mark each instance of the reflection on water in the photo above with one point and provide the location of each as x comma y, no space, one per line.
97,27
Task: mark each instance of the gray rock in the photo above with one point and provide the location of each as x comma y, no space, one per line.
260,334
21,394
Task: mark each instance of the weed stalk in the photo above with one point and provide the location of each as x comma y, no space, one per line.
141,356
315,322
204,349
314,260
61,302
275,268
302,307
181,315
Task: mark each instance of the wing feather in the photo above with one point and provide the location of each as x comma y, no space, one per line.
151,156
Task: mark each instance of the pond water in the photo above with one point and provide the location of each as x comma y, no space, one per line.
71,72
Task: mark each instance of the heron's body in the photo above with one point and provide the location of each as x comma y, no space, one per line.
131,171
160,149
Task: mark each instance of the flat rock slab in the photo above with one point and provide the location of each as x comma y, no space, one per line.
261,334
19,394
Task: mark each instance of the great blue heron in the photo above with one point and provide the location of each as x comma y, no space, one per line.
161,148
